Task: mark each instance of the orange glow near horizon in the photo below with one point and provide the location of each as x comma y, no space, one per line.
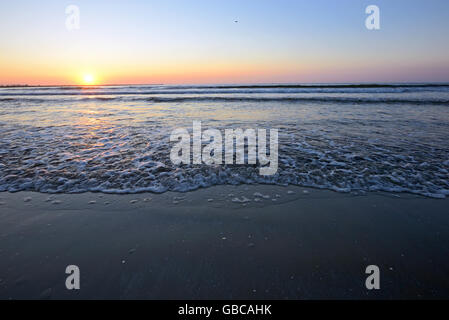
197,72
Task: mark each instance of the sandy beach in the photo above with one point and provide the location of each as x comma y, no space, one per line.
222,243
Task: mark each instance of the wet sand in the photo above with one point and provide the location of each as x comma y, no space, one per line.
221,243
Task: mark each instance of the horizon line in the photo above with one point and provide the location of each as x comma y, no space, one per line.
286,84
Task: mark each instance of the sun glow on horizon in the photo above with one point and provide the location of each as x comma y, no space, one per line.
88,79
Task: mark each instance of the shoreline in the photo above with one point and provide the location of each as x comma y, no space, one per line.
305,244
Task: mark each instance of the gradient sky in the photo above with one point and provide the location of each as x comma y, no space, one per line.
199,42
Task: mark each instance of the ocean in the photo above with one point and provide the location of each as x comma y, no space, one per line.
115,139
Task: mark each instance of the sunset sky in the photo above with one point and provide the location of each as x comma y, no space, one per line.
200,42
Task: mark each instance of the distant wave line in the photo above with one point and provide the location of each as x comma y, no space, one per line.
239,99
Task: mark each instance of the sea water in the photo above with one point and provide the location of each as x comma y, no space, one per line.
116,139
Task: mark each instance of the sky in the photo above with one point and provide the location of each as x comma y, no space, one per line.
198,41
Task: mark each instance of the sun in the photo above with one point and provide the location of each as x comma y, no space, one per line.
88,79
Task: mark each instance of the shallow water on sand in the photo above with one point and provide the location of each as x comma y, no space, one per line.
116,138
